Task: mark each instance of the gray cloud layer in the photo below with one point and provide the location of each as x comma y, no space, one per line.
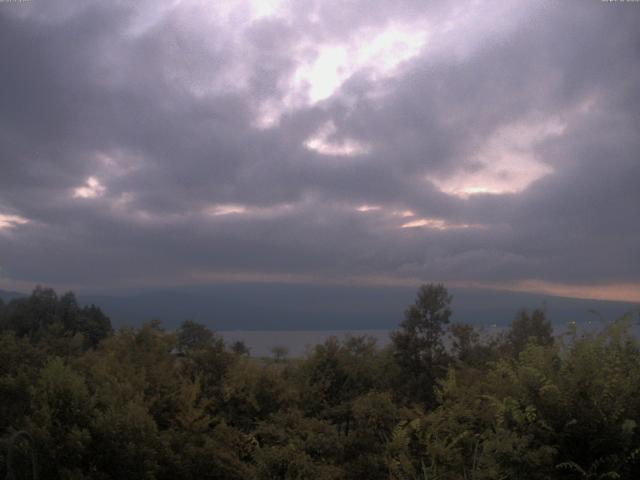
159,106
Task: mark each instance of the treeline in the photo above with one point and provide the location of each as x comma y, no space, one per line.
442,401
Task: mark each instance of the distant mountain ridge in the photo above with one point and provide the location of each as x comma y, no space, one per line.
295,307
304,307
7,296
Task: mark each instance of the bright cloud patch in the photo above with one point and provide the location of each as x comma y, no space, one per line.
506,163
410,220
403,213
91,189
218,210
435,224
245,210
323,143
368,208
267,8
10,221
322,70
379,52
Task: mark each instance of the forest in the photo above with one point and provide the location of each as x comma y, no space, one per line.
444,400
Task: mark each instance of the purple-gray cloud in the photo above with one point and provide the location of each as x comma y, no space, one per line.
171,143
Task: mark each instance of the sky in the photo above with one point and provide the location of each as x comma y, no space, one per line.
388,143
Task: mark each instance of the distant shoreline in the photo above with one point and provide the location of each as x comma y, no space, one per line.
298,342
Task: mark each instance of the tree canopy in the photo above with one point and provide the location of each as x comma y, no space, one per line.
78,400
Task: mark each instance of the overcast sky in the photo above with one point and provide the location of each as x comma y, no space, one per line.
148,143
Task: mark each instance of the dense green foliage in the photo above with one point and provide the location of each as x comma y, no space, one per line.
442,401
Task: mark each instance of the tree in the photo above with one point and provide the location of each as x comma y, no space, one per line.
20,363
94,325
463,339
62,410
279,353
240,348
194,336
32,316
15,454
44,315
467,346
68,312
419,349
529,328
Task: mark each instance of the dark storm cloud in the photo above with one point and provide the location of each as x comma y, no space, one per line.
159,105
